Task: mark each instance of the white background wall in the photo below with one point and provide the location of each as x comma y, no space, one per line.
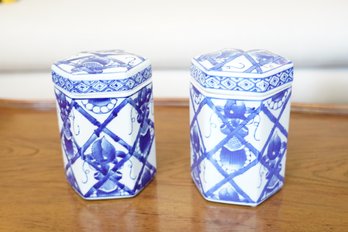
312,33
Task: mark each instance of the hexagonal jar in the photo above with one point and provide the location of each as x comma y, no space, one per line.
106,121
239,119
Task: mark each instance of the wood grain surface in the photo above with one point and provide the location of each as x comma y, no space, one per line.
36,197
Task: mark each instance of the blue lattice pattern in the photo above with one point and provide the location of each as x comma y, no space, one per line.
97,62
239,61
238,147
258,85
101,86
108,143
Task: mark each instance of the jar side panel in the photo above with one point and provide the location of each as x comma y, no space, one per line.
107,143
238,146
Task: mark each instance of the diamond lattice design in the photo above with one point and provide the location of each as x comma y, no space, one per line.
258,85
85,86
262,85
274,80
228,83
99,86
235,170
239,61
82,87
104,165
246,84
212,82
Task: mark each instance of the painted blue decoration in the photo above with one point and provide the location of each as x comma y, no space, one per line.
101,86
239,133
109,61
259,85
238,61
107,132
101,159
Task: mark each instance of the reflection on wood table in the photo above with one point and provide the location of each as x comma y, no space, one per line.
36,196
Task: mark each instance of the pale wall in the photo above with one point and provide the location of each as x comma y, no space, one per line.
312,33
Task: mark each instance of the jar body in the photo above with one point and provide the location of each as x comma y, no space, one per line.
238,144
108,143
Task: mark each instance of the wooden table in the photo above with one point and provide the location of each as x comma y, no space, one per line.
36,197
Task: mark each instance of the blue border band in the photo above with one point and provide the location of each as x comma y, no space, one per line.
101,86
255,85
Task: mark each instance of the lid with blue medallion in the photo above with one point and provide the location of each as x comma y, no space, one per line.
101,74
252,73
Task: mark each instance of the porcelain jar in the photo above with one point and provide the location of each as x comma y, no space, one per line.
106,120
239,119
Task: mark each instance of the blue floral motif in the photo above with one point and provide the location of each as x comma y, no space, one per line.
274,147
235,109
264,57
103,153
272,166
93,65
142,104
146,178
219,58
196,154
195,141
103,159
233,155
65,112
144,140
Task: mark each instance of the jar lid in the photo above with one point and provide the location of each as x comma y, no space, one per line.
101,73
238,71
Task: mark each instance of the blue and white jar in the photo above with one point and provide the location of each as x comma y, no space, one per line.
106,121
239,119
